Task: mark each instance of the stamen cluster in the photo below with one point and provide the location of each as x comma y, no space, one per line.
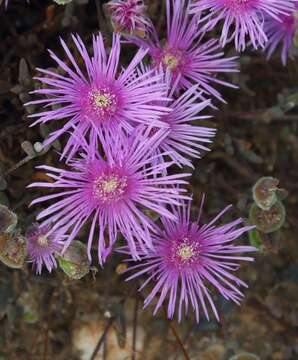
109,188
102,102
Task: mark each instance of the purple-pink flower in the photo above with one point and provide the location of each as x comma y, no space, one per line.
186,55
112,190
185,139
281,33
42,247
129,17
101,98
187,259
242,20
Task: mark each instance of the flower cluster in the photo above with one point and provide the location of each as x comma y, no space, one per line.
125,129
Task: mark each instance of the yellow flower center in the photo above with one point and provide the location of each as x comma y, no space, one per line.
42,240
110,185
170,61
185,251
102,102
109,188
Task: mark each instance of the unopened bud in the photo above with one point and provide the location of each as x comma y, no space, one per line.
74,262
8,220
268,221
13,250
264,192
121,268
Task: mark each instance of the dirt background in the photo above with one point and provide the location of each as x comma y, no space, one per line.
52,317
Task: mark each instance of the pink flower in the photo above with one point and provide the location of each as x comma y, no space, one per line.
99,99
112,190
281,33
186,55
42,247
242,20
185,138
129,16
187,258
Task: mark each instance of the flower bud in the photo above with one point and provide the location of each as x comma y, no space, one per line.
264,192
74,262
13,250
8,220
121,268
268,221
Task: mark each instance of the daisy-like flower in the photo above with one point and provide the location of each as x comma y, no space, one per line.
186,55
281,33
242,19
112,191
185,138
98,99
188,259
129,17
42,247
